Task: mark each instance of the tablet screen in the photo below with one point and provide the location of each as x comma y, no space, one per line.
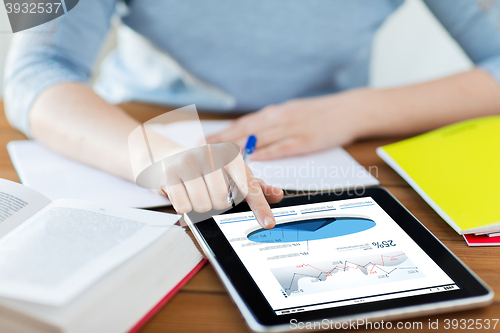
332,254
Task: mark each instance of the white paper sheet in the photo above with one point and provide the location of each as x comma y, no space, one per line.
327,170
58,177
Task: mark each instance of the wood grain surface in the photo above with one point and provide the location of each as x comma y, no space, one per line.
203,305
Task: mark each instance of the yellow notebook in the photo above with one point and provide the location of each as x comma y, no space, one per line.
456,169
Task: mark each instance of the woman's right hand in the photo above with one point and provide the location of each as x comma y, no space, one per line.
197,179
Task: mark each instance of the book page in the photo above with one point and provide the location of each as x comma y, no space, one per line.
70,244
325,170
17,204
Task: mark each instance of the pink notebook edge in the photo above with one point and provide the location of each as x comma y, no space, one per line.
481,240
167,297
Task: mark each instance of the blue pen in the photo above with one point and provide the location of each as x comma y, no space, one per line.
247,151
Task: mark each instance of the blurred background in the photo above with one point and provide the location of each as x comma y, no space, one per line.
410,47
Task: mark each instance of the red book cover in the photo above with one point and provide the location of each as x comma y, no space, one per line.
165,299
482,240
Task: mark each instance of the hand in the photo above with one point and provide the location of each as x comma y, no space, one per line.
302,126
190,185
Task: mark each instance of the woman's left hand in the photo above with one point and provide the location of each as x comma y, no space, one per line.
303,126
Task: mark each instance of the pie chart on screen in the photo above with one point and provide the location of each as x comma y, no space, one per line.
312,229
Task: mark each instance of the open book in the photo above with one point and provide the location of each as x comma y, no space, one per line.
82,266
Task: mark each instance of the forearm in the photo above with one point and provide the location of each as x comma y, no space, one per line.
73,120
423,107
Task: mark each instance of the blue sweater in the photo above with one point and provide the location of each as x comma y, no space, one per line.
222,54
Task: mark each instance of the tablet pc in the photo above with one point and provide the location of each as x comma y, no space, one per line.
335,259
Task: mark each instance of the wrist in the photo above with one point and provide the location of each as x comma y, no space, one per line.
376,117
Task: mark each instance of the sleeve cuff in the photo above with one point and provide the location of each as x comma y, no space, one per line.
492,66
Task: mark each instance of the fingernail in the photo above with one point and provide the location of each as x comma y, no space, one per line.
269,222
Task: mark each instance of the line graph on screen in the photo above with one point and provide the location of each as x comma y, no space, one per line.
367,270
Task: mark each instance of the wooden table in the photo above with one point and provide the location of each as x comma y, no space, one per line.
203,305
